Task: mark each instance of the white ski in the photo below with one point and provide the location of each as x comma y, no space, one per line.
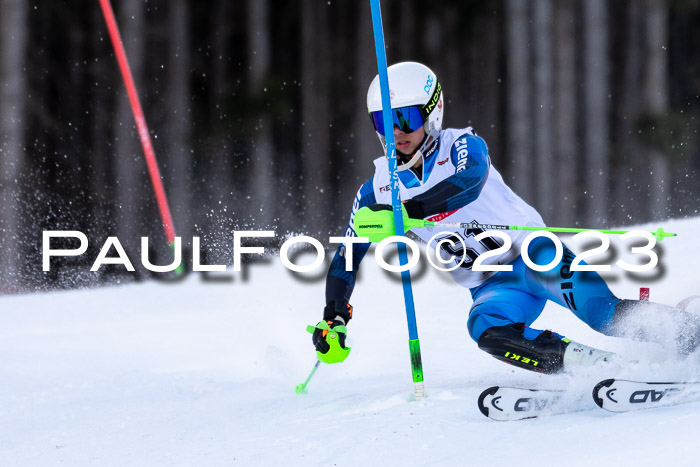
505,403
509,403
619,395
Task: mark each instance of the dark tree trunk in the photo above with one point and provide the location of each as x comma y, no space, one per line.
542,107
13,47
595,105
130,170
263,188
656,102
565,135
178,123
519,117
316,116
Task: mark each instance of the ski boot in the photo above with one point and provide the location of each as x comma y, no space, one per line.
540,351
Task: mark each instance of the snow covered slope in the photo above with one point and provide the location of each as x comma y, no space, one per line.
204,373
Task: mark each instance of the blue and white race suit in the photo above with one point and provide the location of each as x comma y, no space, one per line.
458,184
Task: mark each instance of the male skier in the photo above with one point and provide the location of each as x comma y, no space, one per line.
447,174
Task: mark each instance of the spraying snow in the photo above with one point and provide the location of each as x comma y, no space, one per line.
203,373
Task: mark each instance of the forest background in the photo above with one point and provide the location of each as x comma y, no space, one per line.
257,113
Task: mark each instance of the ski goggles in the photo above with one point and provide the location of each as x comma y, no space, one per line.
407,119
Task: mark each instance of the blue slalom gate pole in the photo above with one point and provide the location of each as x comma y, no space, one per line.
413,343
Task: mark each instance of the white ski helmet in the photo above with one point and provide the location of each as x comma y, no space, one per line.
416,100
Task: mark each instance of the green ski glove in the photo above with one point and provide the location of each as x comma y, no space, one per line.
330,333
329,339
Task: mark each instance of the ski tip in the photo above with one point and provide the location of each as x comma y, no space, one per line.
606,383
486,392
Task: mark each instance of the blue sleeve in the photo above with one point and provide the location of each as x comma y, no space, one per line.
470,156
339,282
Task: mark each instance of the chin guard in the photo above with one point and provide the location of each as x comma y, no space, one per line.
418,154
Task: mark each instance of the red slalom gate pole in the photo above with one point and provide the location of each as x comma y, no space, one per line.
140,120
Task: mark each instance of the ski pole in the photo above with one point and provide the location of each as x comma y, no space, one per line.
378,225
659,233
413,343
334,354
301,388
